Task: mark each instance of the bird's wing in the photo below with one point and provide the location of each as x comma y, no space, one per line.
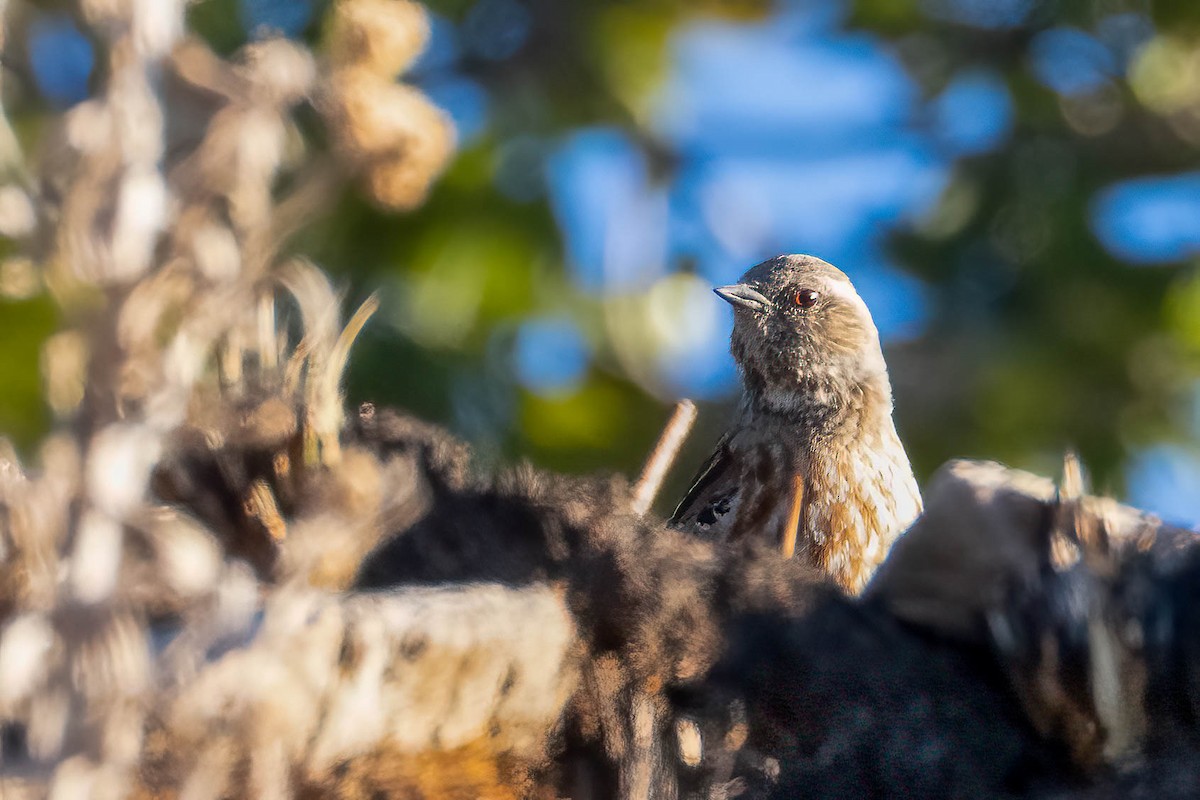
708,506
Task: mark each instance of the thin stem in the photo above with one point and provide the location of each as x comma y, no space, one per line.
663,456
793,521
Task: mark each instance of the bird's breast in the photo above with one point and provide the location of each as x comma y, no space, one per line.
860,498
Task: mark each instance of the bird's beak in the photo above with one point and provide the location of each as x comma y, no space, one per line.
739,295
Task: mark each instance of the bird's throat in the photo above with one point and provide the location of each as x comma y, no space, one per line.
818,403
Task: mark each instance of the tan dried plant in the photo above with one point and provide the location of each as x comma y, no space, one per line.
155,216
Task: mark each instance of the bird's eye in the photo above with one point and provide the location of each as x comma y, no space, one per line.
807,298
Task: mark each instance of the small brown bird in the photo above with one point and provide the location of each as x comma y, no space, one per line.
812,458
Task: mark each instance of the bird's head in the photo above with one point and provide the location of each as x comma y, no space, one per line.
798,322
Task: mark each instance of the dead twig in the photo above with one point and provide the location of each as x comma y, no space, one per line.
792,529
663,456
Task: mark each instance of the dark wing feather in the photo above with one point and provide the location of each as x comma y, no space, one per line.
707,506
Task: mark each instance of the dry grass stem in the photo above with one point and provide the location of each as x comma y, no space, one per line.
665,451
791,528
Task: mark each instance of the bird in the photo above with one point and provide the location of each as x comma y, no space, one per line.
812,458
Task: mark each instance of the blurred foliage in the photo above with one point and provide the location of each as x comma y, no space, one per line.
25,325
1036,337
1039,338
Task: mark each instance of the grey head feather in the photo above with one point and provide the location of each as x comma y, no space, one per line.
811,351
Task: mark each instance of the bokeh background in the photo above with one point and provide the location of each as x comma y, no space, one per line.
1014,186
